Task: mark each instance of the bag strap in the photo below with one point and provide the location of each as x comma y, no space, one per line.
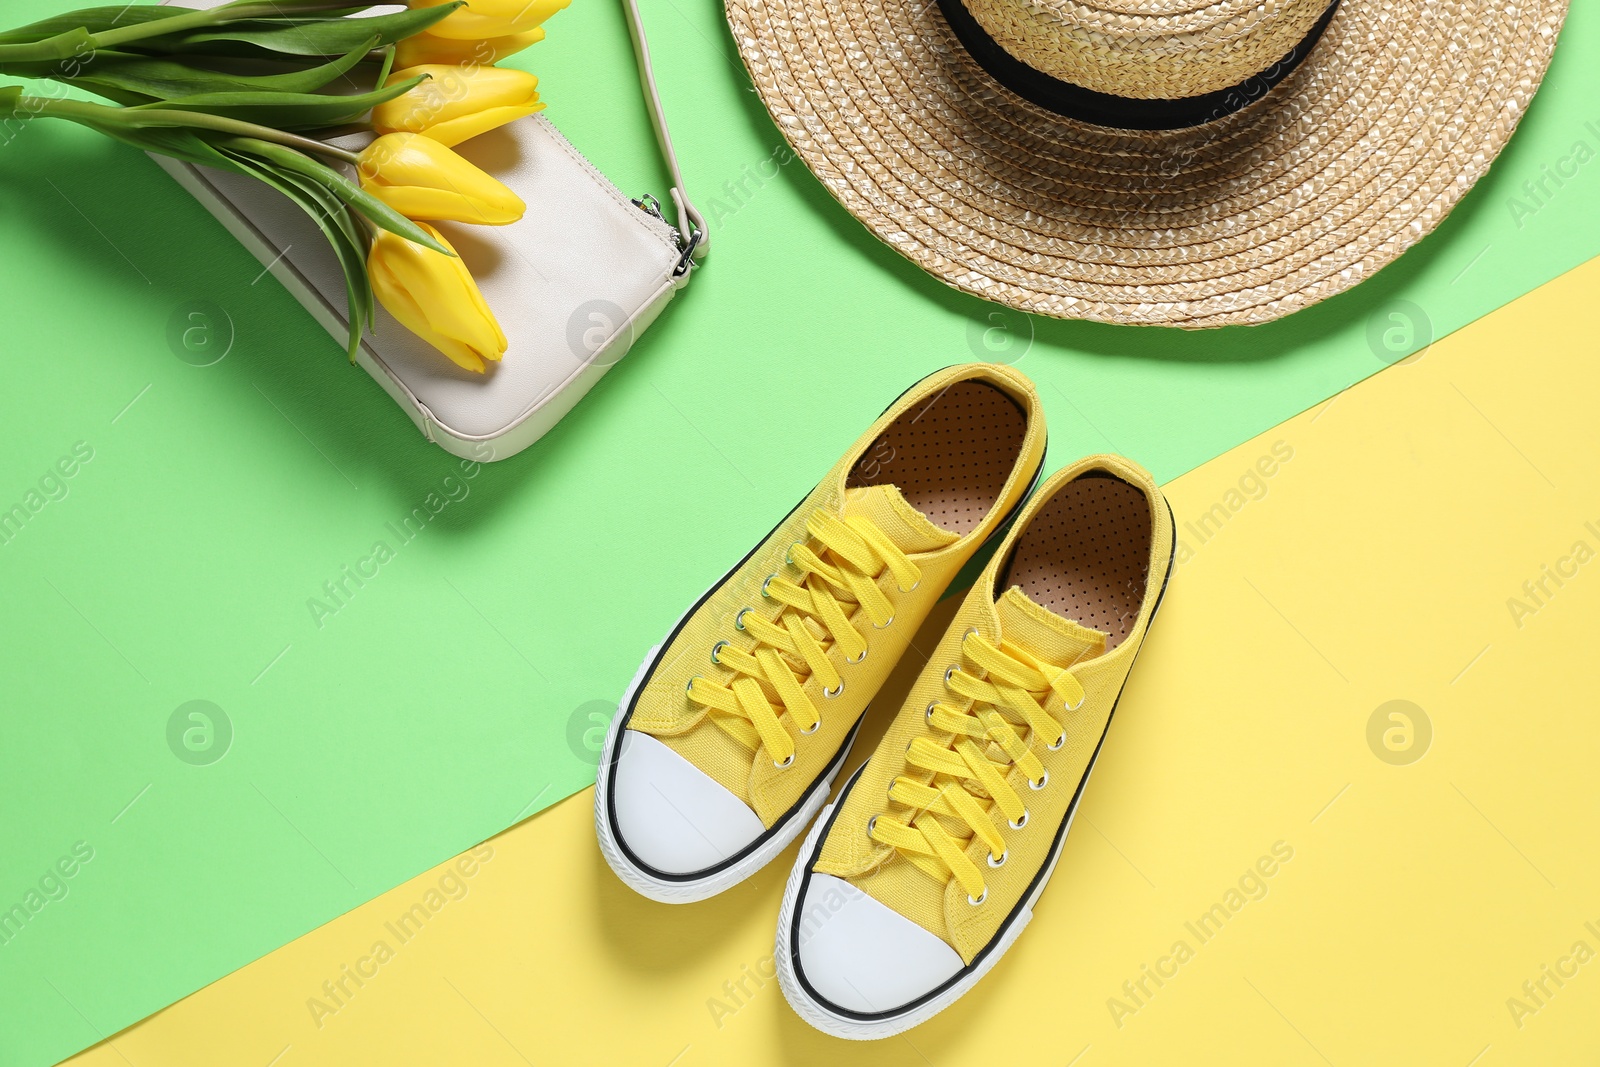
694,237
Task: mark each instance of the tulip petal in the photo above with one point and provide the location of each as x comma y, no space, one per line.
435,297
492,18
423,179
443,205
458,130
428,48
409,314
459,309
435,205
452,93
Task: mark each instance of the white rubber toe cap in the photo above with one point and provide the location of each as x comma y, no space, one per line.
671,815
861,955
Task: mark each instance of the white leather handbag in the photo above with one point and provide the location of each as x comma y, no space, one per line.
573,283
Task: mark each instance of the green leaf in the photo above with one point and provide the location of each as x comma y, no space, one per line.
352,257
286,111
188,146
182,144
389,53
300,37
383,215
21,59
94,20
352,244
161,79
325,6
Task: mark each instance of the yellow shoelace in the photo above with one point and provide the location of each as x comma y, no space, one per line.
1014,695
840,572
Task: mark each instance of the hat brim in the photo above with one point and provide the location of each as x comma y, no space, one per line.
1357,155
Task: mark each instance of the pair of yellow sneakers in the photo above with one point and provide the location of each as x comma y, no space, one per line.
918,878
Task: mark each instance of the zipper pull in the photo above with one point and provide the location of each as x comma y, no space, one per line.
652,207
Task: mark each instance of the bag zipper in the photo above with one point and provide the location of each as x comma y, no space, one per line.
652,207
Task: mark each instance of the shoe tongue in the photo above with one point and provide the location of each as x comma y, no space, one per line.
908,528
1049,636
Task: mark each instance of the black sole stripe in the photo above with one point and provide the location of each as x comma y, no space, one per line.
1055,848
612,757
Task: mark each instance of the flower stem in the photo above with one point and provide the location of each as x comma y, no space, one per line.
78,42
248,9
102,115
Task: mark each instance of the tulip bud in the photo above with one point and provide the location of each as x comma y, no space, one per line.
425,47
435,298
482,19
457,103
422,179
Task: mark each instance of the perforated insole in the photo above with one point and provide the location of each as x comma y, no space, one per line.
950,457
1085,555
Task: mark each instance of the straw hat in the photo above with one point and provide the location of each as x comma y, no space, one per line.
1182,162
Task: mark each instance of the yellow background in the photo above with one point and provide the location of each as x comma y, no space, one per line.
1375,564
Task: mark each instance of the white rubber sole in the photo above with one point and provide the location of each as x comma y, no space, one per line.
687,892
829,1022
681,891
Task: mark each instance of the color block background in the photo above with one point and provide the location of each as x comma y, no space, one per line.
1413,884
453,694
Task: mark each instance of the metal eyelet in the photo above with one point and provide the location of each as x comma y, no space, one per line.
980,898
768,582
815,727
970,631
885,626
789,762
1059,742
738,620
1043,781
688,687
950,670
913,588
858,659
788,553
1079,704
1020,823
870,824
999,861
929,713
829,694
718,647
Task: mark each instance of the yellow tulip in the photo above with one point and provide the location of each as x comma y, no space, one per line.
422,179
435,298
457,103
482,19
427,48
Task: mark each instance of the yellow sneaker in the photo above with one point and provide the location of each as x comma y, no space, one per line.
922,874
729,738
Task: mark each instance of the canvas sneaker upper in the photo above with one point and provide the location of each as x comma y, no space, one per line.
936,845
762,684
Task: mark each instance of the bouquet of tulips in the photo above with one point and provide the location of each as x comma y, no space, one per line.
259,87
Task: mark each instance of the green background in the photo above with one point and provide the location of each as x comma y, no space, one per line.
451,696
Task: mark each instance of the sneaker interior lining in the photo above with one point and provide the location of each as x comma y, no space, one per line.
950,457
1086,554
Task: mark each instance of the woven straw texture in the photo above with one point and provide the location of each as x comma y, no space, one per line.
1349,161
1165,56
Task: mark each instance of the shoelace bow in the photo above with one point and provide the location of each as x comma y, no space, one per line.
1013,693
794,645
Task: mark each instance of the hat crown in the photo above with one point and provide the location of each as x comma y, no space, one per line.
1148,49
